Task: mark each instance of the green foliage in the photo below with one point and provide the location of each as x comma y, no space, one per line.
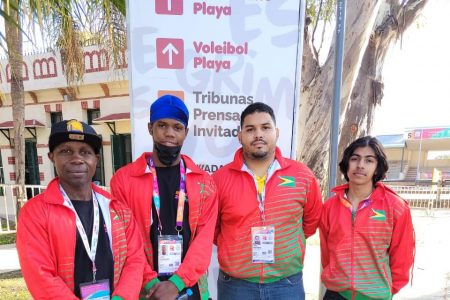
5,13
7,238
119,5
320,10
68,25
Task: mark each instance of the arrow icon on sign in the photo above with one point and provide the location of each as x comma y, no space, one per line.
171,50
169,7
169,53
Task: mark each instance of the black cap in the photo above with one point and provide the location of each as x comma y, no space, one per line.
73,131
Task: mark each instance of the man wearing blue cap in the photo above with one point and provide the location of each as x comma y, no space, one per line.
74,240
175,204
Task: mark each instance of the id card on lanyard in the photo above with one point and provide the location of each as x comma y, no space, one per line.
95,289
98,290
170,247
263,244
262,237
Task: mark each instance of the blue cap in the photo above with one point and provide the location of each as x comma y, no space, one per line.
169,107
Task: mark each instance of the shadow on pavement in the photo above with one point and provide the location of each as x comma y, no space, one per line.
11,275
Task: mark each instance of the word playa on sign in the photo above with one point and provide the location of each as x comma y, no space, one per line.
212,10
219,57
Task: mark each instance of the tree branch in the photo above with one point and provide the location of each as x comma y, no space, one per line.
367,91
310,67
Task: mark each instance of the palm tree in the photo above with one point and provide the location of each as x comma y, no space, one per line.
15,57
64,23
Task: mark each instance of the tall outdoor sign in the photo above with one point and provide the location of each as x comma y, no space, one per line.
219,57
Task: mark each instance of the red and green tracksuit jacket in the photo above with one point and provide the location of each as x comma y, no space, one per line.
133,184
367,254
46,240
292,205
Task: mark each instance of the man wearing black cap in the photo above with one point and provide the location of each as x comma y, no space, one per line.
73,240
175,205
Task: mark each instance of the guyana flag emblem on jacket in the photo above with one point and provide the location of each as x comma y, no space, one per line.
378,214
287,181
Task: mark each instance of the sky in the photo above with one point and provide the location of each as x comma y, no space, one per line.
417,75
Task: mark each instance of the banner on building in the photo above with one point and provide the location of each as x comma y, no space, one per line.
429,133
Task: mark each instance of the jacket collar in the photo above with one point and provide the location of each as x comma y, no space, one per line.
378,193
238,160
140,168
53,195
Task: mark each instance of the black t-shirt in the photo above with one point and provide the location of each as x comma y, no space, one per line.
103,259
169,185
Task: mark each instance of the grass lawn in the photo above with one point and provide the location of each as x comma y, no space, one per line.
12,286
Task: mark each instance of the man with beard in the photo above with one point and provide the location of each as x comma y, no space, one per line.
263,194
175,205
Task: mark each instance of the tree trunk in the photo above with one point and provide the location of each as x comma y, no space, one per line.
367,41
368,89
315,105
15,58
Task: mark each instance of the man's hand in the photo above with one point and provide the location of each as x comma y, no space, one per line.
164,290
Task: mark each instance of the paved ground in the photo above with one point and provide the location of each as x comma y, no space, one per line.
431,278
8,258
431,275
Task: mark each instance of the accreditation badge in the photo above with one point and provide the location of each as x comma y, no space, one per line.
170,249
98,290
263,244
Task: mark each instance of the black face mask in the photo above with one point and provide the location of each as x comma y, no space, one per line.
167,155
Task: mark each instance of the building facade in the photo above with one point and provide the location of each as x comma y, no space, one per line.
101,100
420,155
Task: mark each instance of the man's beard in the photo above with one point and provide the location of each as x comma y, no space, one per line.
259,155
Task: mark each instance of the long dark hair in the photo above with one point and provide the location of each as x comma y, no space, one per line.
367,141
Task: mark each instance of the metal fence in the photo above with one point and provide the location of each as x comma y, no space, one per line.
425,197
429,198
8,204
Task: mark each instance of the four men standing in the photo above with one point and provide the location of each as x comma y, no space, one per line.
259,209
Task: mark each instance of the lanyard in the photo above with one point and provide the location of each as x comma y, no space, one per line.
90,250
349,205
261,194
181,197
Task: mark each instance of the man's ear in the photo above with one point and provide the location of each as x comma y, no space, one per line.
239,137
50,156
150,128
